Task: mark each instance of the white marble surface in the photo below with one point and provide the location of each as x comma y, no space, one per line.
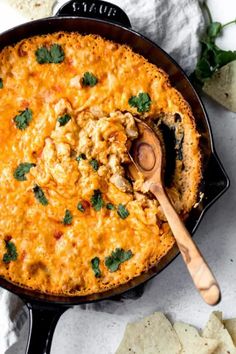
171,291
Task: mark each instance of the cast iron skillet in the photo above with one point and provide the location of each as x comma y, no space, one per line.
109,21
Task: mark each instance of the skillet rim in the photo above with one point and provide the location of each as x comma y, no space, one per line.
34,296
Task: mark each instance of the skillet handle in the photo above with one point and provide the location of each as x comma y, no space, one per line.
216,180
101,10
43,320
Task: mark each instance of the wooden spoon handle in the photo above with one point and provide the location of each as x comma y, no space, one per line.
199,270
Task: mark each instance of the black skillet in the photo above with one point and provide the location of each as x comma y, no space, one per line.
109,21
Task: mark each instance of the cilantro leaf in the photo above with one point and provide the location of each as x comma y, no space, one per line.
95,266
89,79
212,57
43,55
214,29
142,102
110,206
81,207
63,120
122,211
67,218
81,157
39,195
203,69
54,55
95,164
96,200
57,54
1,83
116,258
23,119
22,169
224,57
11,254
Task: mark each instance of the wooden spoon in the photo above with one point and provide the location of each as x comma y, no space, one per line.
146,154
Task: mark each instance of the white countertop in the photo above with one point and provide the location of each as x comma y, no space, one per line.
171,291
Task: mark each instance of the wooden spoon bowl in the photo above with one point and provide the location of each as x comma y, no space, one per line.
146,154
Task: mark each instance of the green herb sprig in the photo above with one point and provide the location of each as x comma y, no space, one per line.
89,79
116,258
142,102
122,211
63,120
212,57
23,119
110,206
95,266
97,201
22,170
67,218
11,254
39,195
54,54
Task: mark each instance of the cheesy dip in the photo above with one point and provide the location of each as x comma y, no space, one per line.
72,221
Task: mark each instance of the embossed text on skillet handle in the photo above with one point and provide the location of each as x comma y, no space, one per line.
101,10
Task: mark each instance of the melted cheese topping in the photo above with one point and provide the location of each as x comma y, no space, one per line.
54,257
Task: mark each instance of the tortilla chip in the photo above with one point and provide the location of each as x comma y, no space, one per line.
192,342
221,86
219,315
216,330
33,9
230,325
152,335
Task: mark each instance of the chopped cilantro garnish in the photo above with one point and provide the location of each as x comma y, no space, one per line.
81,157
96,200
57,54
22,169
95,164
67,218
95,266
122,211
39,195
63,120
89,79
80,207
116,258
54,55
1,83
110,206
11,254
23,119
142,102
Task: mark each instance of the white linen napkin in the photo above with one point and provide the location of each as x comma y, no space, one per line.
175,25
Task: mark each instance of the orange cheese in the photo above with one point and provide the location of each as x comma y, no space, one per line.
54,257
